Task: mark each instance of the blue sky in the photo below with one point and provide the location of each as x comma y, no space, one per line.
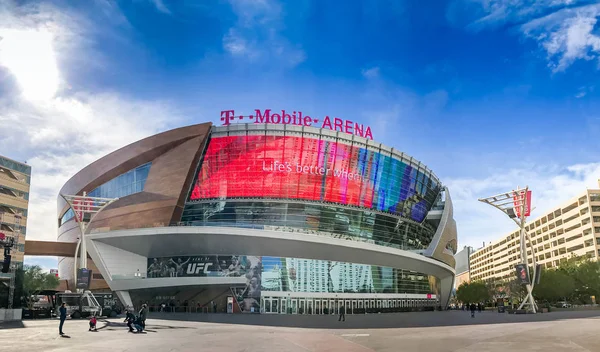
490,94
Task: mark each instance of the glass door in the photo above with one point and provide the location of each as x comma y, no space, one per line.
294,306
302,306
309,306
283,306
317,306
267,306
332,307
275,305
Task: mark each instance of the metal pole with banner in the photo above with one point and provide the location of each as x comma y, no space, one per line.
517,205
82,205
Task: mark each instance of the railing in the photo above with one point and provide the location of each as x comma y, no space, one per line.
157,308
5,177
11,218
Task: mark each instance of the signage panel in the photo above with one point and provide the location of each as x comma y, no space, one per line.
83,278
297,118
522,273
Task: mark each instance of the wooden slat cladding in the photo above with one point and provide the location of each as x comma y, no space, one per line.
174,156
129,157
47,248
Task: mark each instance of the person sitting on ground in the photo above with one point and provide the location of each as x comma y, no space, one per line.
93,323
138,323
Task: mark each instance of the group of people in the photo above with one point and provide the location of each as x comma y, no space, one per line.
138,322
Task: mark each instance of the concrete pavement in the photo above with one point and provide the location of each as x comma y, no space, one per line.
446,331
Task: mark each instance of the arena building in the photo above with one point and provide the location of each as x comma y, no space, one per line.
266,217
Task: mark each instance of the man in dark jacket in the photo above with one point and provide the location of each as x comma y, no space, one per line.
63,316
342,313
142,314
473,310
130,318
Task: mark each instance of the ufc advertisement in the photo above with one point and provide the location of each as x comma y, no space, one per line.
198,266
290,167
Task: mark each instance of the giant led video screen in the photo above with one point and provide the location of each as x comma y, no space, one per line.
312,169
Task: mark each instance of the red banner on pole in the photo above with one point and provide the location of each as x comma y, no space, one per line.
521,198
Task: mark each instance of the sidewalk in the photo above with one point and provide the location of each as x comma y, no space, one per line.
376,321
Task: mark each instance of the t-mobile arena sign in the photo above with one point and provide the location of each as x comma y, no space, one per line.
298,119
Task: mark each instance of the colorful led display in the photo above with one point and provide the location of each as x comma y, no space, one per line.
304,168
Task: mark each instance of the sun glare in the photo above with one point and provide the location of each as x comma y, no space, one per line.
30,57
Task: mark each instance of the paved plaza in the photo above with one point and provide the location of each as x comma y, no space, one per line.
427,331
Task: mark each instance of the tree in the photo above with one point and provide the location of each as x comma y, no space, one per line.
586,276
515,290
35,280
554,285
473,292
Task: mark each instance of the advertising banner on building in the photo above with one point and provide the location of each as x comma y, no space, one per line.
198,266
522,274
291,167
250,267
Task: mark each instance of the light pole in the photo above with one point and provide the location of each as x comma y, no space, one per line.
516,204
80,206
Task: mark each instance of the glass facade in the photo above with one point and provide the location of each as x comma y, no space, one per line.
131,182
322,219
123,185
308,275
303,285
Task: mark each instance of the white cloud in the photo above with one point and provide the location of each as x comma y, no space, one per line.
564,29
371,73
256,36
160,6
61,134
551,186
567,35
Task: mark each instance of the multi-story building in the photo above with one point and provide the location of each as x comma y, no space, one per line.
270,218
15,178
462,266
570,229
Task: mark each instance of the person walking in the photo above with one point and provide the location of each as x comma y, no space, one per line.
479,307
342,313
472,310
142,314
63,316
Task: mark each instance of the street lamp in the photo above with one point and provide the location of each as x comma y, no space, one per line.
80,206
516,204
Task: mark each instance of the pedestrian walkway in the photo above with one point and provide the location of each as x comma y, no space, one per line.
561,331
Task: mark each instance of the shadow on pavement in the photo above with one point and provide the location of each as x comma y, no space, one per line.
11,325
375,321
120,325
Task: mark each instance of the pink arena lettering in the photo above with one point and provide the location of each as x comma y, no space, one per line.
297,118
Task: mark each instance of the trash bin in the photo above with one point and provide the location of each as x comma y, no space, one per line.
501,309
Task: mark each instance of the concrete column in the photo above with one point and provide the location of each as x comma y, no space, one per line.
446,285
125,298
